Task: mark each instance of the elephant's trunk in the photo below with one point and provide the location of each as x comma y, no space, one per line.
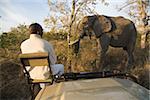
81,36
76,46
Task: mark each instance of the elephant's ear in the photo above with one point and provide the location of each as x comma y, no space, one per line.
82,23
91,20
105,22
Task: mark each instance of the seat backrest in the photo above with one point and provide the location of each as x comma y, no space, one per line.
35,60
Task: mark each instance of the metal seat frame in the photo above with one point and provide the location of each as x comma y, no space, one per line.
35,60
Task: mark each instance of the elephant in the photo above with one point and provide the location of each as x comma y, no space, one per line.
117,32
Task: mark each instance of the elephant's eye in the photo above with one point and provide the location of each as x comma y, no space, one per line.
84,23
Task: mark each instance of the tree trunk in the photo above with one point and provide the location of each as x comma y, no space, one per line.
143,22
69,69
143,41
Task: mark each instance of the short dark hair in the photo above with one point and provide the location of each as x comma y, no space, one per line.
35,28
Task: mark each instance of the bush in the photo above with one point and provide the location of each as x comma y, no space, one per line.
55,36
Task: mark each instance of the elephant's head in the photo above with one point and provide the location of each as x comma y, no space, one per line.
96,24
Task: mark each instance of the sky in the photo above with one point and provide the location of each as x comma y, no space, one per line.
15,12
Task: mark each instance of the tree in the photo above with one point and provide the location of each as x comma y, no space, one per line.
61,12
10,41
138,11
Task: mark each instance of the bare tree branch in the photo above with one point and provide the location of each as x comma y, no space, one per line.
77,10
127,5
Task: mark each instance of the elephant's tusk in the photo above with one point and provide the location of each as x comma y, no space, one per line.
74,42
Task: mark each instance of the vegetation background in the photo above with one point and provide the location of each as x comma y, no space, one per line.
14,85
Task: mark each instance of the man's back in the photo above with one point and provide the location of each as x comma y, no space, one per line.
33,44
36,44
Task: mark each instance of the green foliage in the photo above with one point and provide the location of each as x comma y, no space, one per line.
55,36
4,41
10,42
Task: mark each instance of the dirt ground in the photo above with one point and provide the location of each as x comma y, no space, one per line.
13,85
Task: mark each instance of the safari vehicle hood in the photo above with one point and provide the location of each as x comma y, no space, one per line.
94,89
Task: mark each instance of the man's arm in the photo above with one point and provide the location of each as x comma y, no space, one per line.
52,56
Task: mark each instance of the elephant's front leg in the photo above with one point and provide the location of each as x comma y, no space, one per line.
130,59
103,44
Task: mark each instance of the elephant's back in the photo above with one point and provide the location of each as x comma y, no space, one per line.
123,32
120,21
120,25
